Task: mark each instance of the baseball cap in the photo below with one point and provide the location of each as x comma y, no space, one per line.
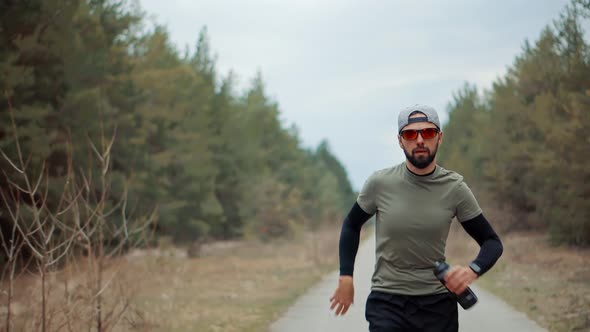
429,112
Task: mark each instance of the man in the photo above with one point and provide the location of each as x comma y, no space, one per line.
414,203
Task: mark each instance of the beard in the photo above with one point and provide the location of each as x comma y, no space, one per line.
421,161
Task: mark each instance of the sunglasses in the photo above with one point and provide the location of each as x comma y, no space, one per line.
412,134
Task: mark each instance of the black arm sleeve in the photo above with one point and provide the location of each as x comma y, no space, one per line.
490,245
350,238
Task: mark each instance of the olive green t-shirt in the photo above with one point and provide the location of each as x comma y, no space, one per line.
413,217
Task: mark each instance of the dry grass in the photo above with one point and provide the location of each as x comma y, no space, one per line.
242,288
550,284
238,286
69,299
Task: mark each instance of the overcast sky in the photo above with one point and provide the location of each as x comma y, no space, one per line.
341,69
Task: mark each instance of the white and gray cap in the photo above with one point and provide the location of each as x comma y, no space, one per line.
429,112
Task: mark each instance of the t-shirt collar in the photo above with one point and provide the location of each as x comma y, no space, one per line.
421,177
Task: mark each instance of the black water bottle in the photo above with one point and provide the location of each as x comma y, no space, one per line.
466,299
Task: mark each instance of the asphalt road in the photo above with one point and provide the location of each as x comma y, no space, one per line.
311,312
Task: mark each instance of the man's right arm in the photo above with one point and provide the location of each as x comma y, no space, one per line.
350,238
349,243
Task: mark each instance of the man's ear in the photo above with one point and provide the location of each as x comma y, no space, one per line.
399,141
440,137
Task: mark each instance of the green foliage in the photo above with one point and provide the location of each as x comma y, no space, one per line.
526,140
216,163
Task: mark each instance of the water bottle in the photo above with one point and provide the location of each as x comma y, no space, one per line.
466,299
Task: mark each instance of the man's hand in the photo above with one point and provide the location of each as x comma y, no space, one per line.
343,296
459,278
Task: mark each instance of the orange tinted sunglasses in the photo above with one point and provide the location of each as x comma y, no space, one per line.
412,134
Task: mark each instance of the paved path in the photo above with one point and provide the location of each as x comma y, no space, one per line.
311,312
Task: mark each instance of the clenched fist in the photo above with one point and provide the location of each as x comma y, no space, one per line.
459,278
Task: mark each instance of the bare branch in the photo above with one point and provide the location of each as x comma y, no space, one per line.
117,248
33,248
11,163
123,209
64,253
119,315
17,186
41,173
98,154
13,235
15,132
13,216
50,233
66,243
107,283
107,151
71,203
61,224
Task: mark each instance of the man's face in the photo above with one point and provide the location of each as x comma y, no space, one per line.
420,152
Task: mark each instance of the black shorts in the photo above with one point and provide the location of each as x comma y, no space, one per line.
402,313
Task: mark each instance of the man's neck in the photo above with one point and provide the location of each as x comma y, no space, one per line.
421,171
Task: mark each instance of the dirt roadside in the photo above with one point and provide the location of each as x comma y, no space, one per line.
551,284
247,286
230,287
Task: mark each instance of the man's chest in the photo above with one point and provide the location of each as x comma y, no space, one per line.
407,208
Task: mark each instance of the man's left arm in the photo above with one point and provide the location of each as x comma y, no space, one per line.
490,245
459,278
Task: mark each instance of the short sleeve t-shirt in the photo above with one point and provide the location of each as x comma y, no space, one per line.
413,217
